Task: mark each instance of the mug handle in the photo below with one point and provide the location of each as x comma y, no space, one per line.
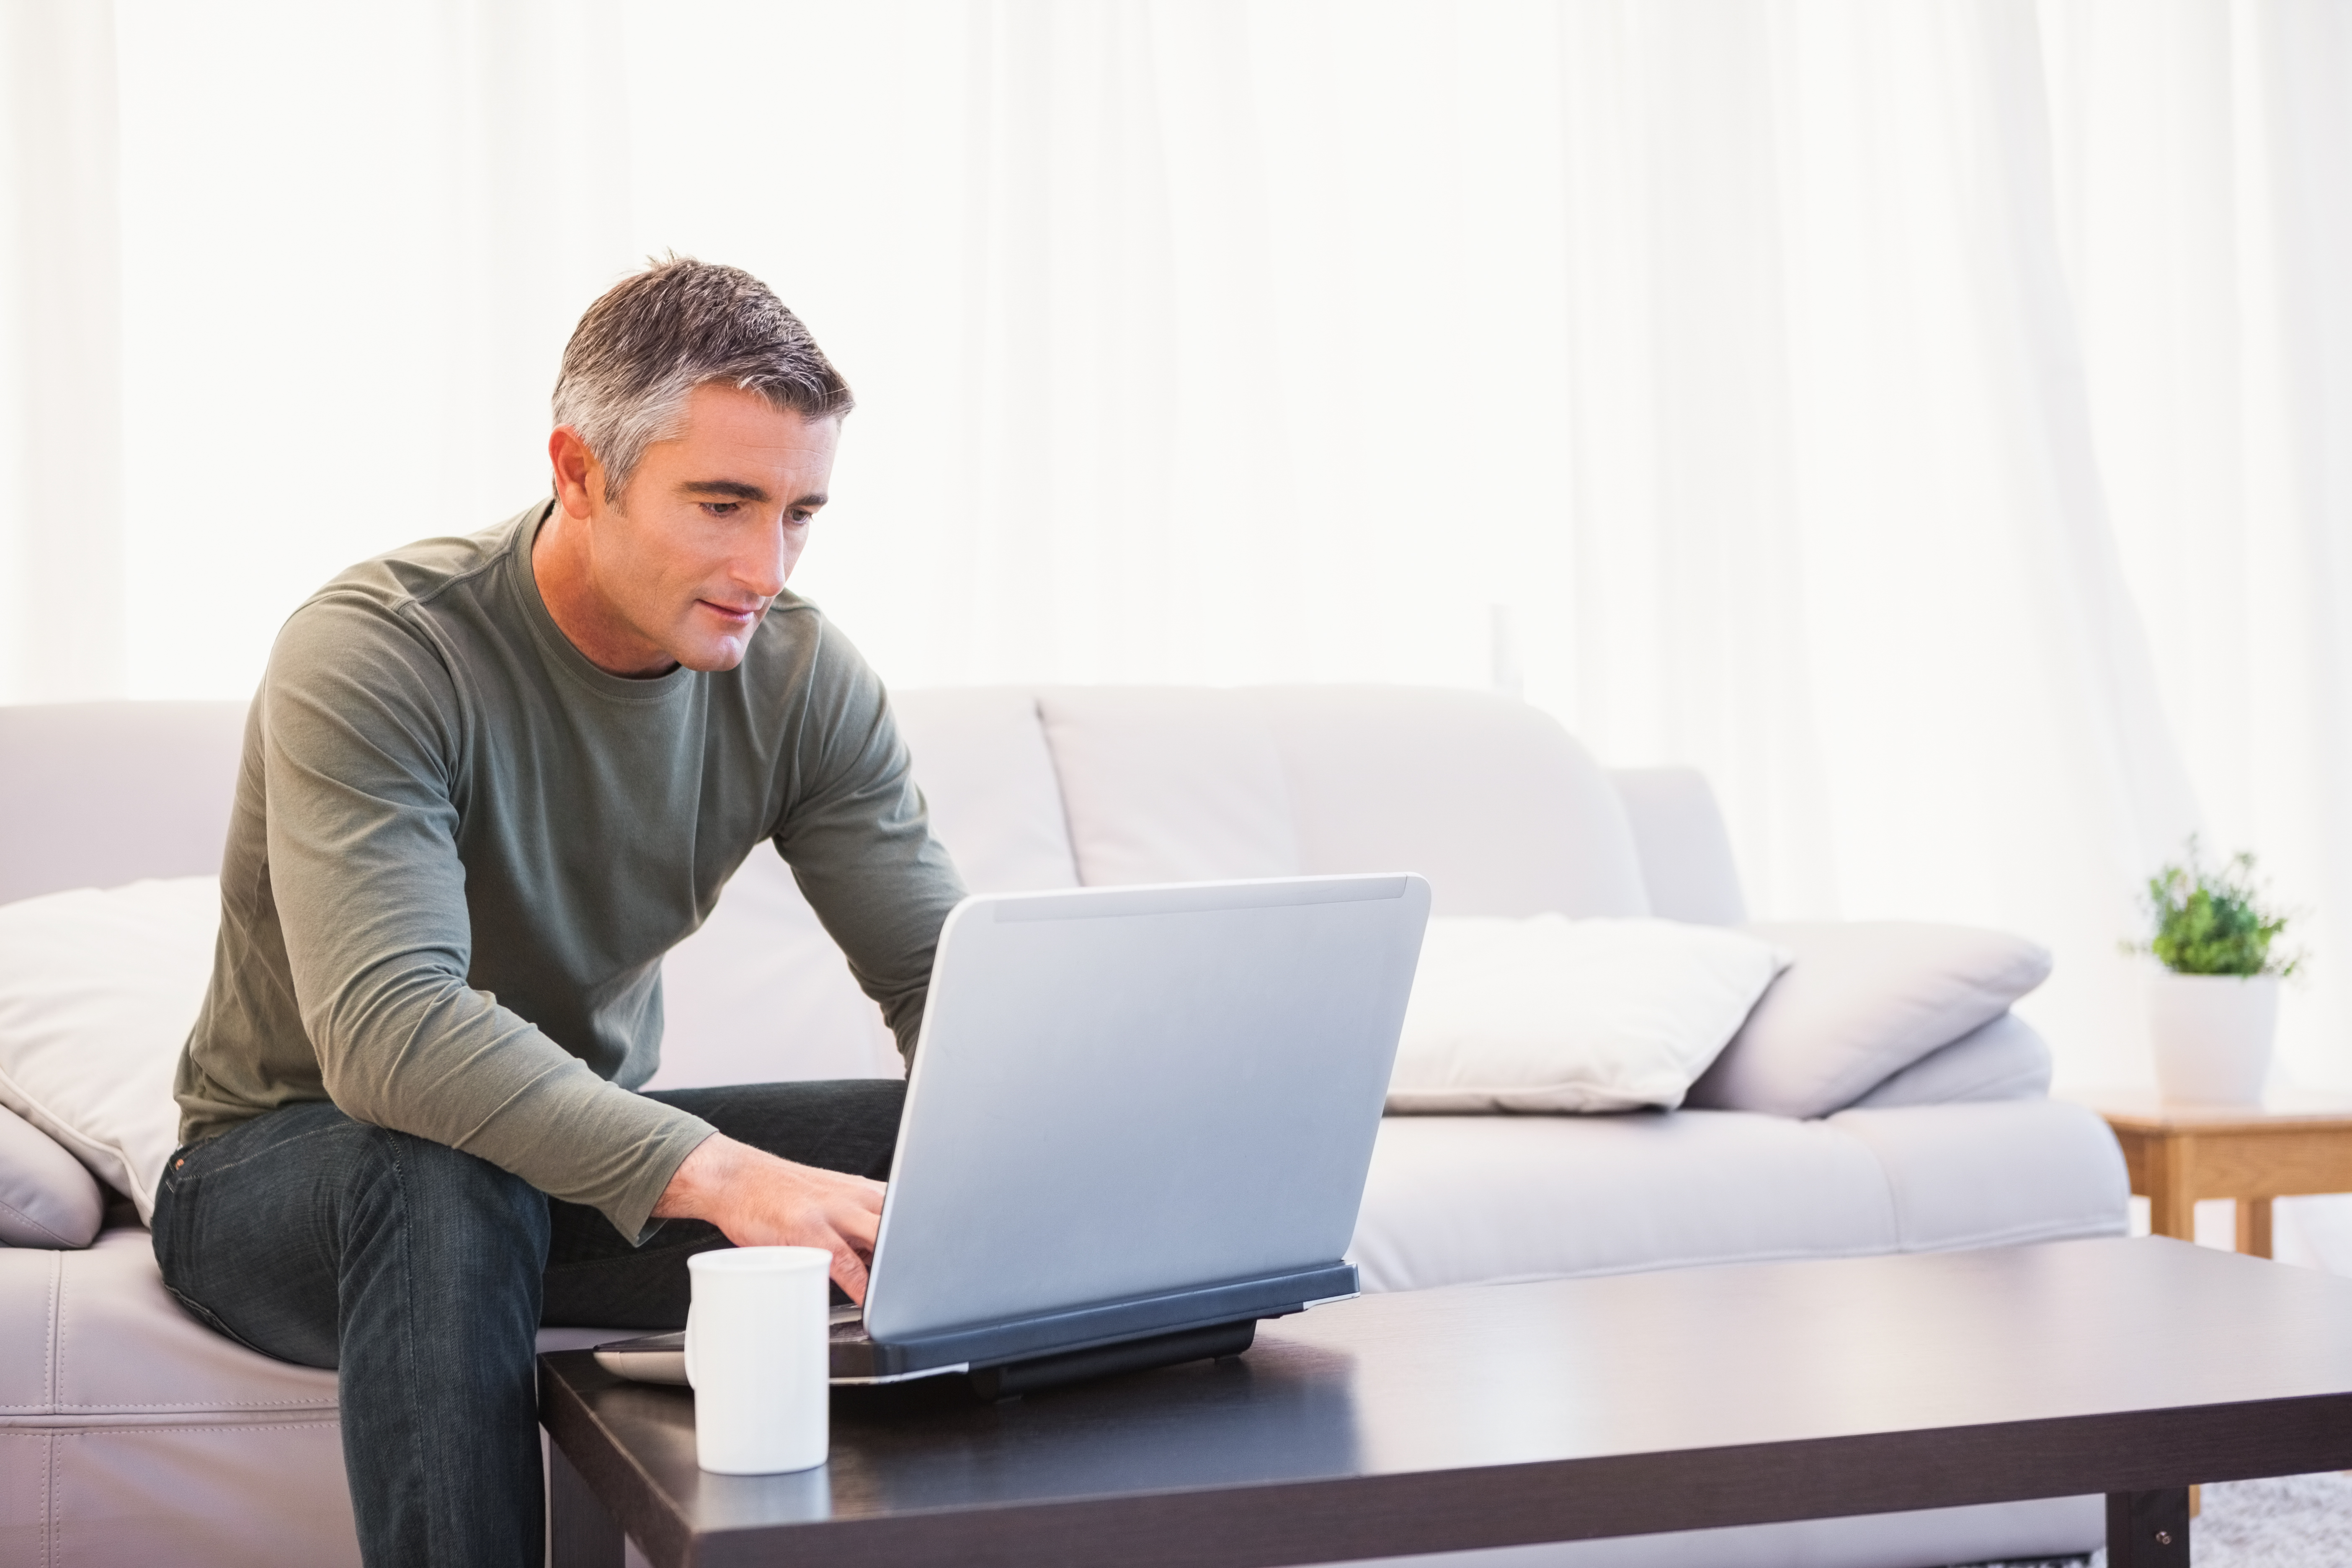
690,1379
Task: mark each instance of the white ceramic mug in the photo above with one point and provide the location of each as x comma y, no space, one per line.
756,1352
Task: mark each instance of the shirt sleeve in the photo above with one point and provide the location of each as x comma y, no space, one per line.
858,838
362,757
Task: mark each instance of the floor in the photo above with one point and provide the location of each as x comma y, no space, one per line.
2295,1521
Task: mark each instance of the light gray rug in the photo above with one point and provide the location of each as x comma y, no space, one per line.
2296,1522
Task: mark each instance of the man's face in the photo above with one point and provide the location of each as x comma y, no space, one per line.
703,536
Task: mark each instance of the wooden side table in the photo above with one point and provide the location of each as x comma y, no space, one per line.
2178,1154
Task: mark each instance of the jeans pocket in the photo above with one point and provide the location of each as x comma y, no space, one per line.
170,1218
212,1320
168,1184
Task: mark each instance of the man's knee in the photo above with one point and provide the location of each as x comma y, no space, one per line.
443,1253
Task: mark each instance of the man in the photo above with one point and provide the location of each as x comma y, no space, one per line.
488,782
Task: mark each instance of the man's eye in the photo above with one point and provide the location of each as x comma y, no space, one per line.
722,508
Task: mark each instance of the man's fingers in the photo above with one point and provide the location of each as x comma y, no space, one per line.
849,1273
857,1226
777,1203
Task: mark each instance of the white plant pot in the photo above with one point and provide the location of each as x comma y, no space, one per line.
2213,1035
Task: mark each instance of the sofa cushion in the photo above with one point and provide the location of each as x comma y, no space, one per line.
46,1198
2039,1530
1995,1175
1457,1200
1863,1000
1547,1014
1491,800
116,1349
98,991
1685,849
150,1438
252,1495
760,994
94,1339
980,756
96,793
1169,785
2004,1059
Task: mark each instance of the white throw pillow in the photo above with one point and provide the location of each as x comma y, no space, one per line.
1550,1014
1863,1000
98,992
46,1198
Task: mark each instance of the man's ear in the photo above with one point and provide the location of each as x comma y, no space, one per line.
579,478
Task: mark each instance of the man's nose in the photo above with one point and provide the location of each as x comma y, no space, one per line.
760,566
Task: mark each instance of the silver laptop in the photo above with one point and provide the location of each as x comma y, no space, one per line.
1138,1120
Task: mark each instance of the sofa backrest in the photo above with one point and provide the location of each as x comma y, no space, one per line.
980,757
93,795
1686,851
1493,800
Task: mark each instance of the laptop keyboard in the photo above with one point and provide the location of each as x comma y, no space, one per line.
847,1326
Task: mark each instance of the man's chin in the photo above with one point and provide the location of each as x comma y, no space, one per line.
710,642
714,657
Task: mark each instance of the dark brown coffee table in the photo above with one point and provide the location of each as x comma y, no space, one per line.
1501,1415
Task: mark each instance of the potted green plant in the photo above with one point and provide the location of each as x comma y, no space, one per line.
2212,1005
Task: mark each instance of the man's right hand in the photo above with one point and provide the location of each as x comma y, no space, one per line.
758,1200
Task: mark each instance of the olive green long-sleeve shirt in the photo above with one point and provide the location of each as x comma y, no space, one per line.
459,851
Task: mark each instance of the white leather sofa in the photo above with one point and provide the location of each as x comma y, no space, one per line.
129,1433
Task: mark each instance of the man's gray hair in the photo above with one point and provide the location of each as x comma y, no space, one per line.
654,336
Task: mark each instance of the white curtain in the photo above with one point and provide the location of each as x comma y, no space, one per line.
63,570
1935,420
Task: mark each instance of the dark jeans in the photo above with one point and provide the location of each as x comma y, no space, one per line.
422,1276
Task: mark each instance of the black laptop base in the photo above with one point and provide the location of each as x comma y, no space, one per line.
1014,1379
1077,1330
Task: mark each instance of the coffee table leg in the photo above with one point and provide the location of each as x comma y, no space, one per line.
2148,1530
580,1532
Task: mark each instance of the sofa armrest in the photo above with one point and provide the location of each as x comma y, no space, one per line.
1685,850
